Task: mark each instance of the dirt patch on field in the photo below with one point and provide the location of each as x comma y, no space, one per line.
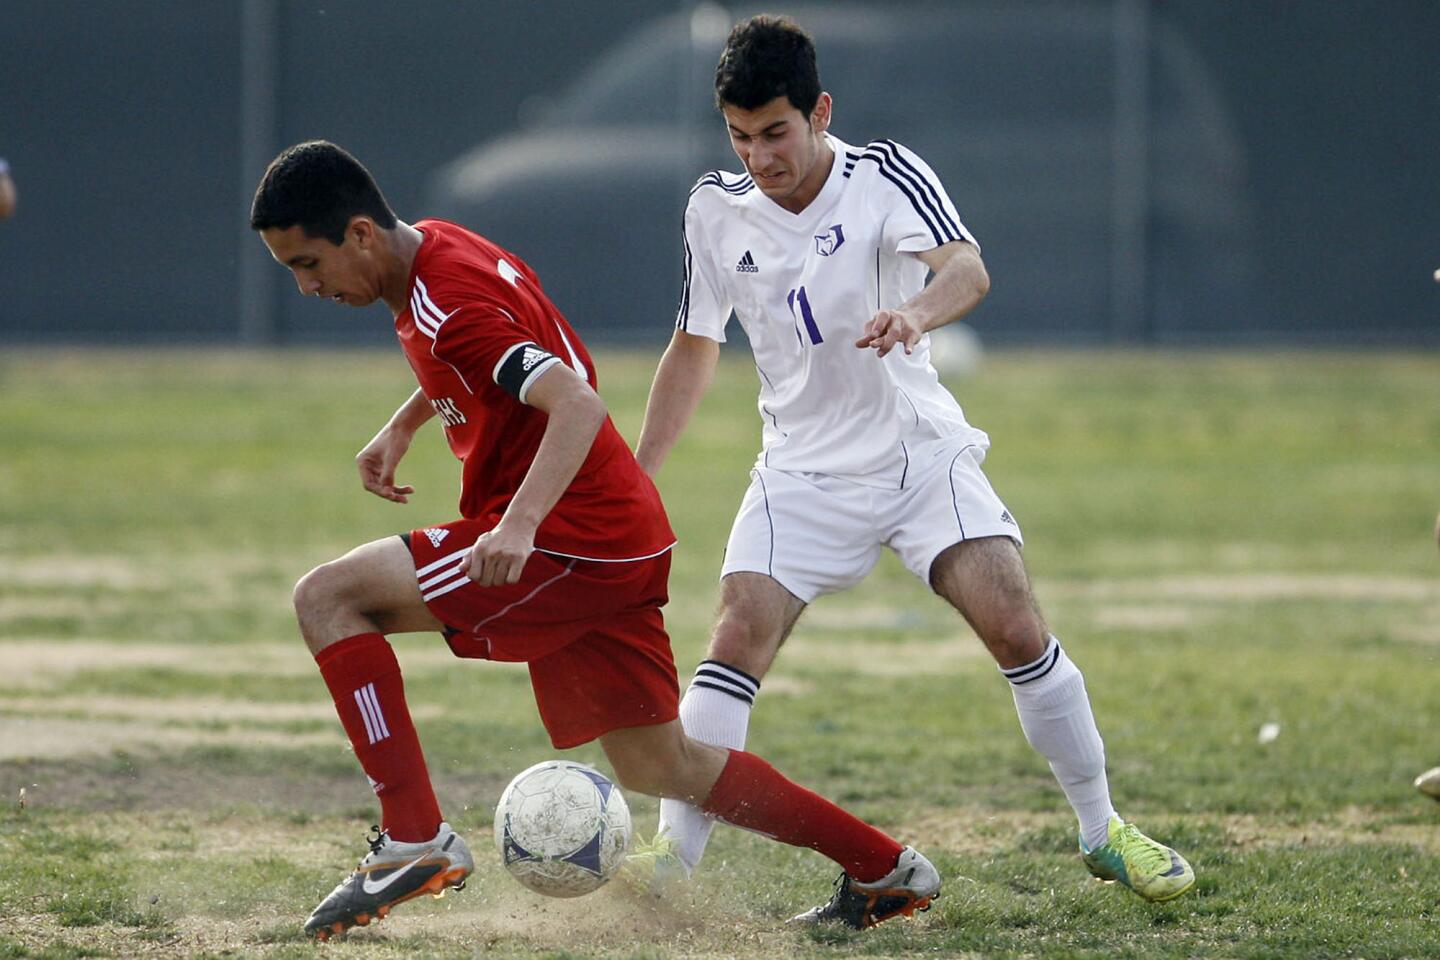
1147,617
35,606
1425,628
934,616
495,910
51,729
889,659
974,832
129,571
781,685
971,831
81,570
1251,587
32,663
159,784
57,737
1353,825
487,918
182,709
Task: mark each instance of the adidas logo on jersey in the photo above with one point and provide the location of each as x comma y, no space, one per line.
1006,518
532,356
436,535
746,264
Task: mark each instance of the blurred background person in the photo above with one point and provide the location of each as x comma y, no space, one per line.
7,191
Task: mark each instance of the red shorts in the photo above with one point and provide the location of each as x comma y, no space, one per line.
591,631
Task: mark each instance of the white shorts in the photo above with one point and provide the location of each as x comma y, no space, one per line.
818,534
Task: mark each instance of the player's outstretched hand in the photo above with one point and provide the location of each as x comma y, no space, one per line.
499,556
377,464
887,329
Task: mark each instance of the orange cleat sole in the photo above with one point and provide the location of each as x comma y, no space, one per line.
437,886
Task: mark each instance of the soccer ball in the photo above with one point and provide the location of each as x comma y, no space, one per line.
562,828
956,352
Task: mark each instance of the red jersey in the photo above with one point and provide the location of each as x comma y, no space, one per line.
478,333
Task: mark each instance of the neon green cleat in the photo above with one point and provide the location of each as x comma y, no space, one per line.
1151,869
654,867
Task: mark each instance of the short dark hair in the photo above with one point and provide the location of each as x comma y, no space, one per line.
320,187
766,57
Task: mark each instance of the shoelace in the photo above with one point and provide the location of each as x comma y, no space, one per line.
842,887
377,841
658,849
1145,851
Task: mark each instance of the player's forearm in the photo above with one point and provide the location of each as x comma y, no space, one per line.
955,289
413,414
570,433
682,379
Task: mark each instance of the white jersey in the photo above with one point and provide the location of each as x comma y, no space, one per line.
804,286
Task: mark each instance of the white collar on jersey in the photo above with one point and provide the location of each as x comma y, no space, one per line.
824,200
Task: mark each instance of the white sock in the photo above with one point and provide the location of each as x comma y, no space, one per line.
1055,715
714,710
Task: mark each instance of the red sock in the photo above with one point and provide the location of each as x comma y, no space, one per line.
752,794
364,680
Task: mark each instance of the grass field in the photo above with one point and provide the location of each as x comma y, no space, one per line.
1222,542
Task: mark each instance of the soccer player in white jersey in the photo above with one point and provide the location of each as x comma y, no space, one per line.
822,249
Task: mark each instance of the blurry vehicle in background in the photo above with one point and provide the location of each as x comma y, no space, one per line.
1014,106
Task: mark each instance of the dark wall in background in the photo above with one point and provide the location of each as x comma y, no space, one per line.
1338,105
121,123
120,119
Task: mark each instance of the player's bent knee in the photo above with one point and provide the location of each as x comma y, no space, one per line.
311,592
1015,640
323,590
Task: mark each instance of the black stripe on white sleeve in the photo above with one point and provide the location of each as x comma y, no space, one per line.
682,315
916,188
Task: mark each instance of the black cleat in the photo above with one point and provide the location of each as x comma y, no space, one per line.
911,886
392,872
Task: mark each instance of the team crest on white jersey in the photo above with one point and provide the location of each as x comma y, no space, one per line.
828,242
436,535
747,264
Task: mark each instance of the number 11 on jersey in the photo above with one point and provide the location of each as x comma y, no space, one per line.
797,296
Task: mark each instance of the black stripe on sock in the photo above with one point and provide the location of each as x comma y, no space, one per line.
697,682
1036,670
729,669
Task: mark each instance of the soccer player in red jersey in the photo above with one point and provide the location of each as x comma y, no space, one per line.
560,560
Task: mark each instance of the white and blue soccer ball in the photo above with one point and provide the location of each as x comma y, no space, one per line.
562,828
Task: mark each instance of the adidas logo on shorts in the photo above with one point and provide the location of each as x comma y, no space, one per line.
435,536
746,264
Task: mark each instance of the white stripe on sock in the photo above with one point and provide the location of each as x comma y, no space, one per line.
380,725
365,713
